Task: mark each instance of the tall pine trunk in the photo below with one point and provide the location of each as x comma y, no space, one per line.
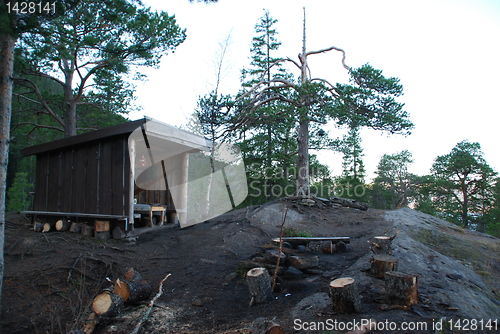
7,43
303,135
303,158
70,107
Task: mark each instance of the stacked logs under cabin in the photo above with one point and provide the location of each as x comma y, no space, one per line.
100,229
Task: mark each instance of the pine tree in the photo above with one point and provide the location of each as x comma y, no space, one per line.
368,100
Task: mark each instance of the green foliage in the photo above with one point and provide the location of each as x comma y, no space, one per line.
18,193
291,232
463,183
394,184
91,53
369,100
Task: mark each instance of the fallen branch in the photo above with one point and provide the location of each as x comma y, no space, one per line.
150,306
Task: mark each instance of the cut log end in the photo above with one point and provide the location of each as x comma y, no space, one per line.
134,291
107,304
63,225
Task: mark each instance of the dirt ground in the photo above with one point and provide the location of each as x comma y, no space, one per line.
51,278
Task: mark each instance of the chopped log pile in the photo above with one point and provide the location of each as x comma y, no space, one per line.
132,289
99,229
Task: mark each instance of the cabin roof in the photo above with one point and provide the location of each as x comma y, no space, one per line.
153,127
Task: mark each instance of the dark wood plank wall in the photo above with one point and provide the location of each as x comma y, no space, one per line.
92,177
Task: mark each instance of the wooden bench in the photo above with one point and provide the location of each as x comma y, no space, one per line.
295,241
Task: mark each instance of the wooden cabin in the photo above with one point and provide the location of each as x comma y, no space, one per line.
93,176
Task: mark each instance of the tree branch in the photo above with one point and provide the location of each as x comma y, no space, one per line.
42,101
330,49
35,126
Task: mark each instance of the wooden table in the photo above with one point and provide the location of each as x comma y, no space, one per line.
149,209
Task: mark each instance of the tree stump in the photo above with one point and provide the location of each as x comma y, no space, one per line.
259,285
401,289
344,294
107,304
87,230
63,225
265,326
134,291
381,245
381,264
76,227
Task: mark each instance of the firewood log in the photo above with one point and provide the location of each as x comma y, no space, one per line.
133,291
47,227
76,227
265,326
90,324
132,275
344,295
107,304
87,230
63,225
102,225
401,288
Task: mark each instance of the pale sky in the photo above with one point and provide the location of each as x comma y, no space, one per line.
446,53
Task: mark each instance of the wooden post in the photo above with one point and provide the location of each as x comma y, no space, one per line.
259,285
183,199
107,304
401,289
344,294
381,264
131,188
